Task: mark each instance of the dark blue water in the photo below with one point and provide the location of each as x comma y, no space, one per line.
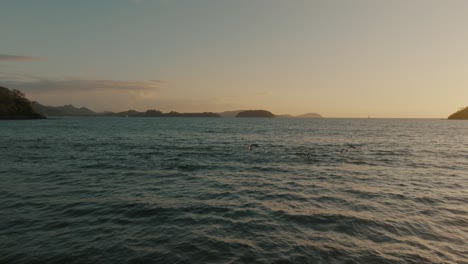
187,190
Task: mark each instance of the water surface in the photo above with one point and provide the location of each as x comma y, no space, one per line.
187,190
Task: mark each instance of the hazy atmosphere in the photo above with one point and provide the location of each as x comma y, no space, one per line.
234,131
337,58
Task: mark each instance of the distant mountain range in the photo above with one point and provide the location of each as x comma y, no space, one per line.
66,110
156,113
14,105
70,110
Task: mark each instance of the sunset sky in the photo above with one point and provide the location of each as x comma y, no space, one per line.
348,58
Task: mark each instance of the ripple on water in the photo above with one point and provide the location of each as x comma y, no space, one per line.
165,190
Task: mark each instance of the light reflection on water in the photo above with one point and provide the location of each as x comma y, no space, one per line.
176,190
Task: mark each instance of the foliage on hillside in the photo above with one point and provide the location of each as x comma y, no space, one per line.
14,105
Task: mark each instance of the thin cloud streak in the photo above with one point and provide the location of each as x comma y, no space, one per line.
6,57
29,83
95,93
82,85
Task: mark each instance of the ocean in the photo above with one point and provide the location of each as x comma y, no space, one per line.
188,190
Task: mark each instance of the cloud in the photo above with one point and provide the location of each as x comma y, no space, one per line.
100,94
17,76
158,81
74,84
5,57
30,83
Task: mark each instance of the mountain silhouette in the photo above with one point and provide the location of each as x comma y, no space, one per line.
461,114
66,110
230,113
156,113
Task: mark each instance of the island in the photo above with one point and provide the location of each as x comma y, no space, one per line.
461,114
14,105
255,113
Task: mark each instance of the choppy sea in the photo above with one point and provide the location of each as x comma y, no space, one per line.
188,190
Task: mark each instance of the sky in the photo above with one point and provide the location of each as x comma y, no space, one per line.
339,58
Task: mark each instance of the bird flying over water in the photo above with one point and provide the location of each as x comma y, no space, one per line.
344,150
253,146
